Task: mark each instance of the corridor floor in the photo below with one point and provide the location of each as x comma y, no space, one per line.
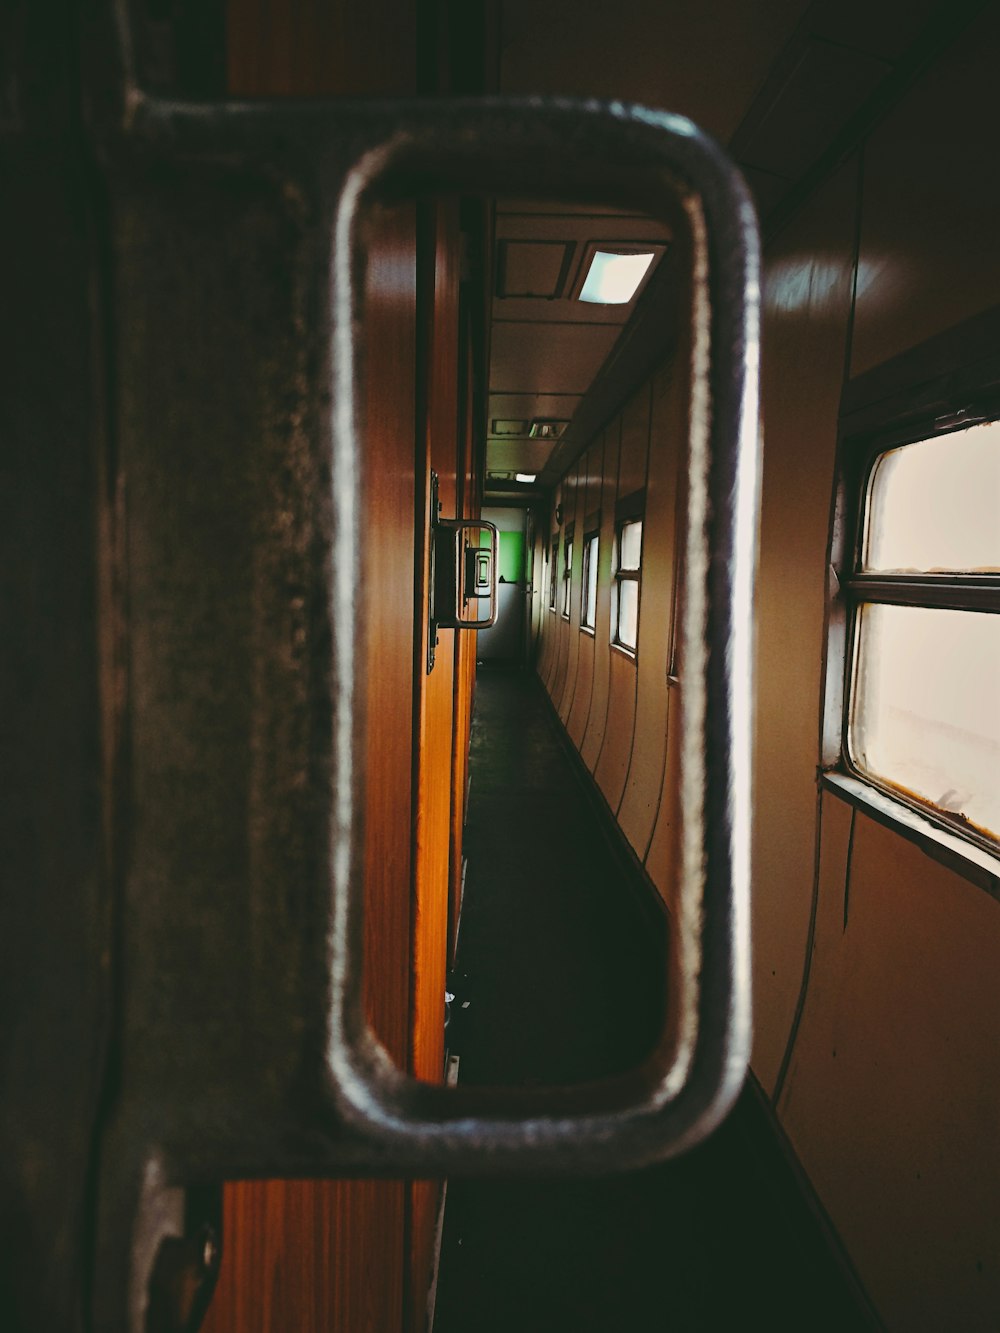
560,983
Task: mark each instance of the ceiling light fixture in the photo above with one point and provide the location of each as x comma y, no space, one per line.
546,428
526,477
613,279
509,426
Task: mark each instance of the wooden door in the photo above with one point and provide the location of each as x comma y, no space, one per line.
438,453
356,1255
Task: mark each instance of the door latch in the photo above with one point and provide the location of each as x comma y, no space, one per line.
460,574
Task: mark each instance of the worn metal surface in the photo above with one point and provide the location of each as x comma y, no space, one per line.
195,712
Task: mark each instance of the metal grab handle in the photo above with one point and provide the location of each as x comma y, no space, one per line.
263,785
463,591
662,165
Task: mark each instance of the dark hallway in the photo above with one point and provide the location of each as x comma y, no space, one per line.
560,979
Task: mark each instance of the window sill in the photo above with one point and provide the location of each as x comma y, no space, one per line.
630,653
973,863
587,629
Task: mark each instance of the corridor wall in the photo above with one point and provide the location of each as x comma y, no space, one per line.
877,1028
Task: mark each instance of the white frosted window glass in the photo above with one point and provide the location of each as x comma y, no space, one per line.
590,604
630,547
926,707
628,612
934,506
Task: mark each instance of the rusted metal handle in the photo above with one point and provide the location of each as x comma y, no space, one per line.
244,1046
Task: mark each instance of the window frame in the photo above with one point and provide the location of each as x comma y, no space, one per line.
864,440
630,509
591,556
567,572
553,571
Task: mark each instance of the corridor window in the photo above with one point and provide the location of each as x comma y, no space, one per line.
628,543
567,574
588,596
923,698
553,573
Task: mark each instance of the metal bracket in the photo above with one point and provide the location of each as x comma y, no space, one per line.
458,574
233,692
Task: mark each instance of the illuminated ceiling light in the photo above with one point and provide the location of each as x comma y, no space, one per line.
614,279
526,477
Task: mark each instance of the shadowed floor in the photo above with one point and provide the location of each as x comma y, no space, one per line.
561,984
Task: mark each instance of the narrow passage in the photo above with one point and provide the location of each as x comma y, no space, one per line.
560,982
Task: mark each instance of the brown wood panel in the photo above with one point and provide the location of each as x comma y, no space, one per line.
548,637
663,854
330,1255
634,445
321,48
593,737
390,334
662,859
667,448
616,750
543,661
893,1096
927,257
298,1254
299,1264
560,629
574,515
541,595
612,766
576,722
558,678
438,450
536,603
806,309
554,620
464,687
465,643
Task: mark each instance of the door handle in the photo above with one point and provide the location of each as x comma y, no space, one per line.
481,577
459,572
250,1054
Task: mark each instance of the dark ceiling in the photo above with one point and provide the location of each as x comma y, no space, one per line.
785,84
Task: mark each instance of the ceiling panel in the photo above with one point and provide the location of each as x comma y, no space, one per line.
534,270
527,405
517,455
777,80
703,58
885,29
821,86
768,189
540,358
536,234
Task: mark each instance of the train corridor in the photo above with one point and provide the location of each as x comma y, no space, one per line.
558,980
